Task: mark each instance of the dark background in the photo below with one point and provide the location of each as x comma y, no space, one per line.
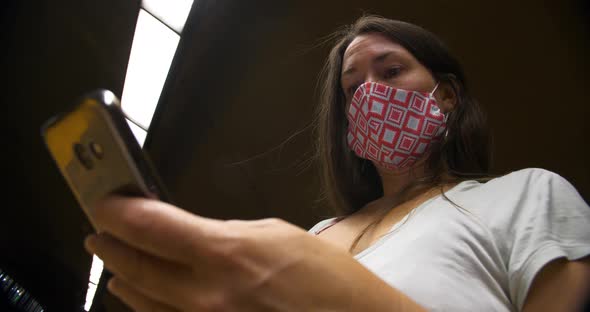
244,82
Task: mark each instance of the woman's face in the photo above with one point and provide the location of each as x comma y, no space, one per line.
375,58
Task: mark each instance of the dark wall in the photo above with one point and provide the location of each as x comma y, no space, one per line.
526,61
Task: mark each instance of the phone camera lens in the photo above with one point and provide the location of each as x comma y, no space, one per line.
96,150
83,156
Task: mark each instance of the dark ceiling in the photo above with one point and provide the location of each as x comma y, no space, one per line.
243,84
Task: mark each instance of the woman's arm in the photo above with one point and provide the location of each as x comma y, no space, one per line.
561,285
165,258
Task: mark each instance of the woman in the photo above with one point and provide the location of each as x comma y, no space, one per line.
402,143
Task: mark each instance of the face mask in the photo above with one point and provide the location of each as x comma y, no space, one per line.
393,127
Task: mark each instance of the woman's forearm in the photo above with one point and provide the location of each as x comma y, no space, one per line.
162,255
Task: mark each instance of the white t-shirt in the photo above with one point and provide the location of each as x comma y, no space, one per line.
484,255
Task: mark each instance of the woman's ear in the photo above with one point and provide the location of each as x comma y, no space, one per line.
446,96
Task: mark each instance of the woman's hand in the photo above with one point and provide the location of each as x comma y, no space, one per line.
166,259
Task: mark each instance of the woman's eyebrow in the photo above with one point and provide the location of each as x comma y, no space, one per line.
377,59
350,70
381,57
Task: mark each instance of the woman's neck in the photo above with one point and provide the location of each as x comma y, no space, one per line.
396,181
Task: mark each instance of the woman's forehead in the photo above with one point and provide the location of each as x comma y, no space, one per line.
367,46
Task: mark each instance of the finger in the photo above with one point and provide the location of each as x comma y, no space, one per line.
134,299
156,227
153,277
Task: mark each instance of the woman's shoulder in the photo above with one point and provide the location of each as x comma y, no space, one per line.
528,175
524,182
516,199
532,175
502,201
540,184
534,216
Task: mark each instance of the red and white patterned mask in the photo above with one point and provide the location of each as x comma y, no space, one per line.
393,127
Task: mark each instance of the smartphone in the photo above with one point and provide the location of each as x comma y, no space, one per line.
97,154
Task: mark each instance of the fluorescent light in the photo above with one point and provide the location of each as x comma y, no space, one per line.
90,296
171,12
95,273
139,133
96,269
152,52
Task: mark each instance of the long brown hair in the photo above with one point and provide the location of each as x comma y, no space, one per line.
350,182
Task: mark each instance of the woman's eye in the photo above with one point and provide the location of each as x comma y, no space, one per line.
352,89
392,72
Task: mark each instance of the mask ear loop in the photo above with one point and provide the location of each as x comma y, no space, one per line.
445,115
433,90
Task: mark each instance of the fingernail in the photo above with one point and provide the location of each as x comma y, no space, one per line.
90,243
